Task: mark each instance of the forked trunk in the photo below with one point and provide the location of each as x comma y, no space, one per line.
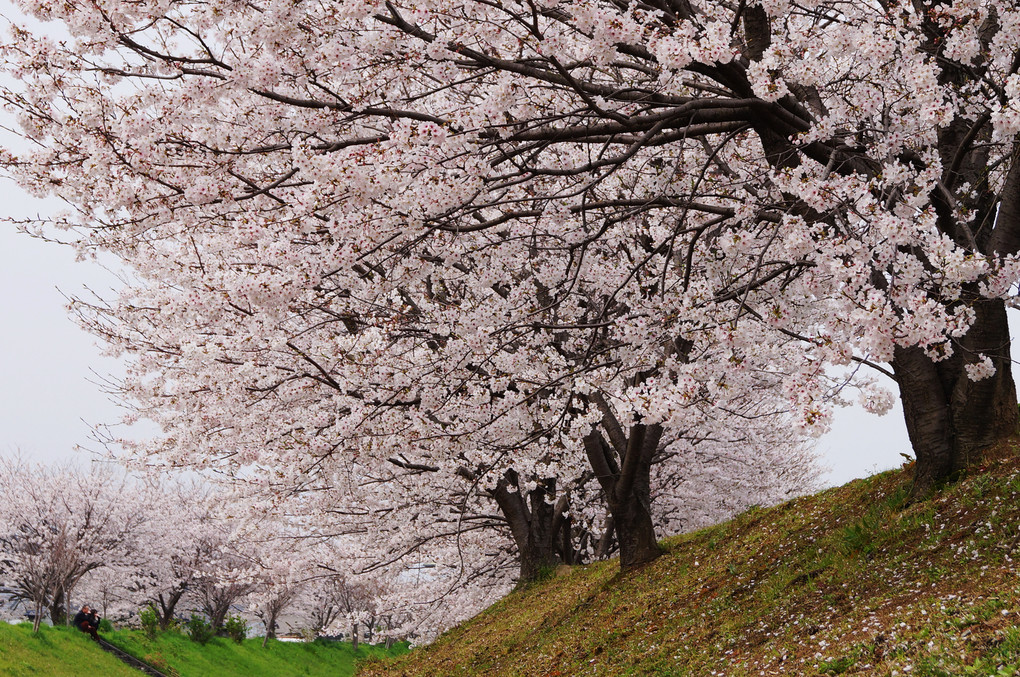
37,618
627,485
270,631
167,606
535,524
217,616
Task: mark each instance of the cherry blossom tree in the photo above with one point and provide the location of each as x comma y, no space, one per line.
276,594
184,535
536,241
223,583
324,606
284,569
62,524
420,563
716,479
359,605
329,601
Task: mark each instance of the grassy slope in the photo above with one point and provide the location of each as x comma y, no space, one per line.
54,652
175,654
849,581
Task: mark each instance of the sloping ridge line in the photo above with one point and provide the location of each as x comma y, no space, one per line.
130,660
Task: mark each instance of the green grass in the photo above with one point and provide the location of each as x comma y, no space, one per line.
851,581
64,652
175,654
54,652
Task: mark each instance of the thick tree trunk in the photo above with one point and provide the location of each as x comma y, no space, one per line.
534,561
57,614
167,606
634,529
534,523
951,419
627,485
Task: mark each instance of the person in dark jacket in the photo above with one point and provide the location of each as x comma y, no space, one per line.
86,620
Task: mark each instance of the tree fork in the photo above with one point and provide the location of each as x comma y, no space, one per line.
534,524
628,491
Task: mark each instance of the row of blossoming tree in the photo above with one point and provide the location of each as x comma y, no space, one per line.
432,270
70,536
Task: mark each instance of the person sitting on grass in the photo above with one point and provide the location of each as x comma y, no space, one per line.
87,620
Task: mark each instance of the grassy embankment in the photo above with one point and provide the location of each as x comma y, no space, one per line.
174,653
60,652
849,581
54,652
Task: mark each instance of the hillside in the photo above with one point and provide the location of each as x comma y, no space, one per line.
54,652
175,654
848,581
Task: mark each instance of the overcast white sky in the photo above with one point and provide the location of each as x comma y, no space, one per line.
49,393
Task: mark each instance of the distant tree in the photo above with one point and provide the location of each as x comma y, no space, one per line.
60,524
358,601
283,571
323,603
186,538
224,582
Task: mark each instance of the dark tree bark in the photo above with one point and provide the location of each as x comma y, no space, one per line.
951,419
167,606
538,526
626,483
58,615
